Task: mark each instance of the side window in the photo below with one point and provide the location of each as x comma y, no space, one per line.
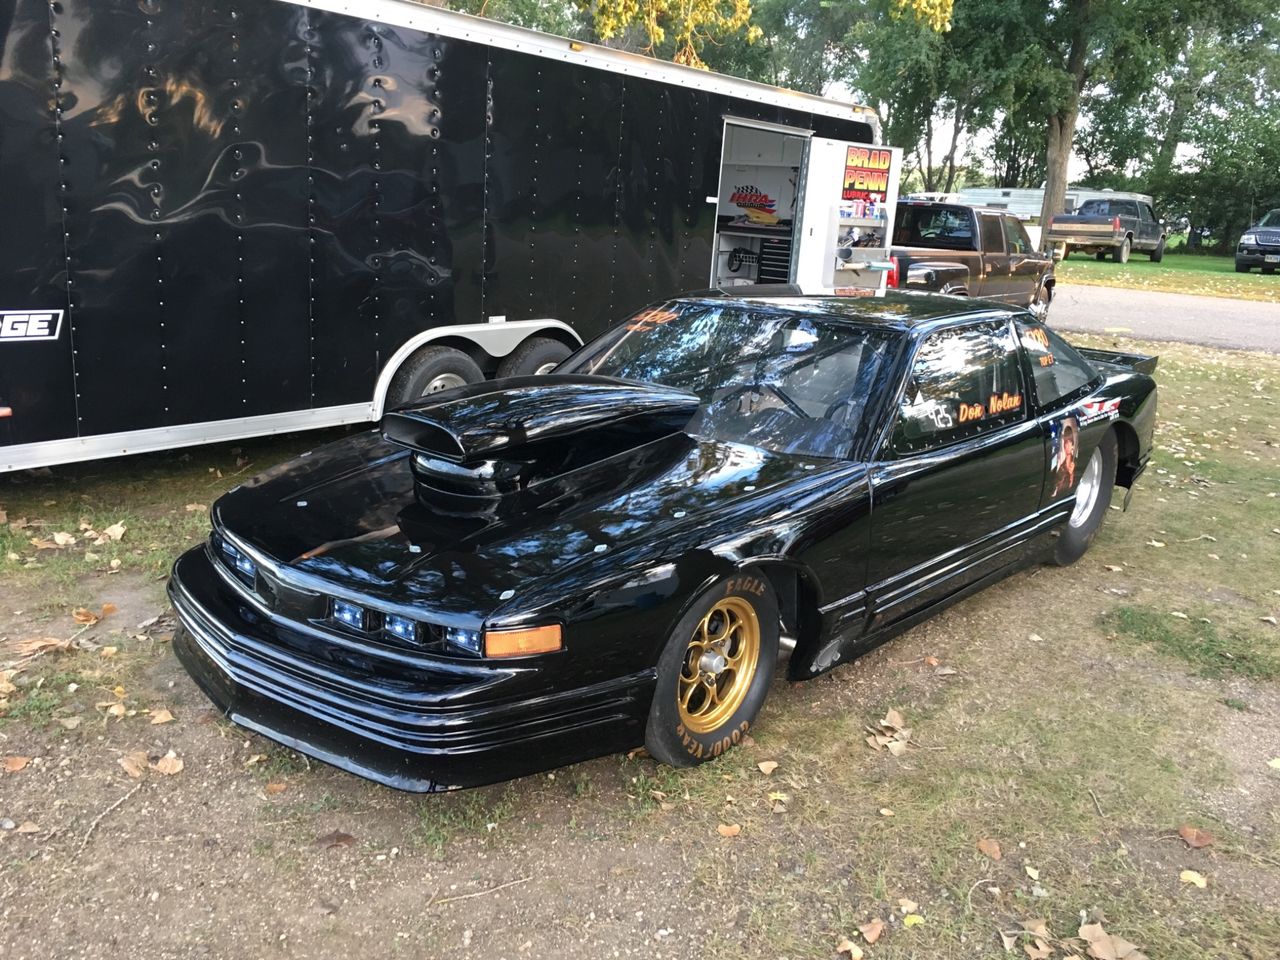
965,381
1015,237
1059,373
1127,209
1148,213
992,236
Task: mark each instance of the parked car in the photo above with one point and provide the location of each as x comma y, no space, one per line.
1260,245
956,249
526,573
1112,226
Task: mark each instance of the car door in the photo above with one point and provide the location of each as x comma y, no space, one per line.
956,486
1025,265
993,282
1151,228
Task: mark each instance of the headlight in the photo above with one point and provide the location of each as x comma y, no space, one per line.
238,560
468,640
1249,238
349,614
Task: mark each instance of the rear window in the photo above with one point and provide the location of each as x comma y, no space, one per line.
1109,208
943,227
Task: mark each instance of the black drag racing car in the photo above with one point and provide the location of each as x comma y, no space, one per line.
525,573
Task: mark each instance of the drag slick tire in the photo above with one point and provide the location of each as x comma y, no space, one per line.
715,671
1093,498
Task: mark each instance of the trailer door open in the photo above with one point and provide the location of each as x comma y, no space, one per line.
757,205
848,197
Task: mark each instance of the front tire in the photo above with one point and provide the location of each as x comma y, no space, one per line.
1093,499
1242,267
715,671
1158,253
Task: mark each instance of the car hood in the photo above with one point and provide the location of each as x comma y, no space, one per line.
348,516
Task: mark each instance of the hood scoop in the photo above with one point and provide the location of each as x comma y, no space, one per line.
485,440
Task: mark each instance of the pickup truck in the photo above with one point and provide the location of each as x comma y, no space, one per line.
1259,246
1108,226
970,252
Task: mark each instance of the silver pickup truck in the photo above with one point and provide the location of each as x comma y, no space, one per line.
1108,226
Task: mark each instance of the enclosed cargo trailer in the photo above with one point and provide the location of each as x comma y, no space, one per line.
244,217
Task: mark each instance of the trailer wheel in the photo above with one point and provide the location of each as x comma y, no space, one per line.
1121,253
534,357
428,371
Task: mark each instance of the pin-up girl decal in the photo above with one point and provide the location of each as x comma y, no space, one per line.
1065,437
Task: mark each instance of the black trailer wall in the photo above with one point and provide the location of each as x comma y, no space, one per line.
247,207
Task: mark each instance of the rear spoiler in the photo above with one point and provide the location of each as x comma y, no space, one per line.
1135,361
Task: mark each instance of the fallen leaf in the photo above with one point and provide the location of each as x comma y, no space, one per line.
109,651
14,764
1155,543
886,812
1038,950
1010,940
945,671
116,709
912,920
35,646
134,763
274,788
114,532
64,539
196,508
1194,837
1036,638
1192,877
27,826
767,766
161,716
872,929
932,661
1104,946
896,747
908,906
108,609
1037,928
1274,763
1112,568
85,616
852,949
729,829
335,839
893,719
990,847
256,758
69,722
1032,872
169,764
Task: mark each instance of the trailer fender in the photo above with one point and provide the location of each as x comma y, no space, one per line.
496,338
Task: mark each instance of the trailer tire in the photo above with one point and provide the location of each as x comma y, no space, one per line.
431,370
1121,253
536,356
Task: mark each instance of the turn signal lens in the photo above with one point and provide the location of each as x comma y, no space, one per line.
522,643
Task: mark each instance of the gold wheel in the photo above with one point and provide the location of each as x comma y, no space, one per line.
719,665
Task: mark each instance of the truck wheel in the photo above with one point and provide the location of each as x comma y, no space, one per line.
1242,268
1158,253
1100,255
1268,270
714,672
1093,498
1039,305
534,357
428,371
1121,253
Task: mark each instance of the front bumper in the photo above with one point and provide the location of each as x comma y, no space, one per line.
423,738
1258,257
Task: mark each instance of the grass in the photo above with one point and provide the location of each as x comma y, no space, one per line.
1177,273
1198,641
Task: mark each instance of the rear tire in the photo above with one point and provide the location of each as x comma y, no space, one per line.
1158,253
534,357
431,370
703,704
1086,518
1121,253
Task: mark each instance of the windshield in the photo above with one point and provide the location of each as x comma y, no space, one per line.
790,382
1272,219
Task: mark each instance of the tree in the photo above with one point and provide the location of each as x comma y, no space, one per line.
685,27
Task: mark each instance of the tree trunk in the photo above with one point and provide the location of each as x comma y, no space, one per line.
1062,126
